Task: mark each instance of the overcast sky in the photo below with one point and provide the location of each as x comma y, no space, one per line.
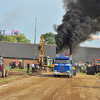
20,15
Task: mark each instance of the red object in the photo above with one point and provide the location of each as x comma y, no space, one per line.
67,54
1,67
97,65
17,63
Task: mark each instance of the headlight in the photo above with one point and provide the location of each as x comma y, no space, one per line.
68,71
55,64
67,64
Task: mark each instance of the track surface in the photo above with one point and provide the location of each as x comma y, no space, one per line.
47,87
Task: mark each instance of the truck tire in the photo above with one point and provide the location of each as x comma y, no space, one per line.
6,74
70,76
86,71
74,72
21,66
3,71
54,75
93,70
13,65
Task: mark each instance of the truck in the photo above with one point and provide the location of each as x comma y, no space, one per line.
63,66
94,68
3,71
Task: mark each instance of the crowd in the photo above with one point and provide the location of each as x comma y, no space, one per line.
33,65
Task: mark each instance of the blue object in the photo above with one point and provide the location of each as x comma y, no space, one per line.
63,65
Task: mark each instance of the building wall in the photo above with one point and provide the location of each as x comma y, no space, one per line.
25,51
7,61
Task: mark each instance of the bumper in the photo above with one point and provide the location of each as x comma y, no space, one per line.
64,73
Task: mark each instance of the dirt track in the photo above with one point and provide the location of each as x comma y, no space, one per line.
47,87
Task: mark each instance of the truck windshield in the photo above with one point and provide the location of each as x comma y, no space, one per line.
97,61
62,61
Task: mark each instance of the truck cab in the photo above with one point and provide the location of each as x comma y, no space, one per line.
63,66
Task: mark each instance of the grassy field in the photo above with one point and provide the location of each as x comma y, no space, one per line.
86,74
17,69
6,79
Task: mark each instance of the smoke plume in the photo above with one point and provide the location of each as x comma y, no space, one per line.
82,19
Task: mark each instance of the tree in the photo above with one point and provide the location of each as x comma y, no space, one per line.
49,38
20,39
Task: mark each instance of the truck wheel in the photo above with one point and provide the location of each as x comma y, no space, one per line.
54,75
3,71
74,72
86,71
21,66
6,74
69,76
13,65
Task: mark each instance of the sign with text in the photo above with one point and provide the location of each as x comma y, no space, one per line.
9,32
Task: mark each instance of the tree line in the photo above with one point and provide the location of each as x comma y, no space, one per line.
48,38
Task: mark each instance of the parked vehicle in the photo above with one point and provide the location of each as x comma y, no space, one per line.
95,68
3,71
17,64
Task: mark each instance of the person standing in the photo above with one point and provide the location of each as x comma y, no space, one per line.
10,64
32,67
28,66
35,66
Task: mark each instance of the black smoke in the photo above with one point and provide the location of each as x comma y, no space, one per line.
82,19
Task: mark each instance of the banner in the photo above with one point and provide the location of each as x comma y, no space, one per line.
97,37
9,32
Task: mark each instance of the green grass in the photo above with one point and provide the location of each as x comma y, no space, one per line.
6,79
17,69
81,73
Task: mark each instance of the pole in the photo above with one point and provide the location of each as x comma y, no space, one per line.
0,49
34,42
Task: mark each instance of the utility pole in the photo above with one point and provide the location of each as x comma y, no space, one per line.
34,42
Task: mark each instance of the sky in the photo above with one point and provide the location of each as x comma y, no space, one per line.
20,15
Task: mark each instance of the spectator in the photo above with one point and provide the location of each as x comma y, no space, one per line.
33,67
28,66
10,64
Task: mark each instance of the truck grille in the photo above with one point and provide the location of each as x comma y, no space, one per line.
61,68
98,67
